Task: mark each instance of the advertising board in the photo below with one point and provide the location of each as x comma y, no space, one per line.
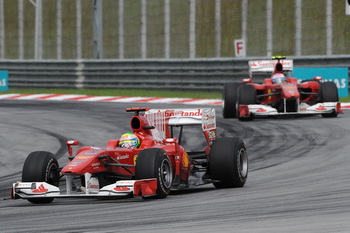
338,75
4,80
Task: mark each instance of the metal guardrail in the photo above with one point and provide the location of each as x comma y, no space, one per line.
168,74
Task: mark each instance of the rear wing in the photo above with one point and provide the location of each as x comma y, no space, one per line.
162,118
268,66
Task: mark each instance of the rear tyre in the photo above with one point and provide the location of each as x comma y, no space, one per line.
155,163
229,97
41,166
329,93
246,96
228,162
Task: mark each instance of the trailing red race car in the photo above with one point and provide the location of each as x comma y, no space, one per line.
149,162
280,94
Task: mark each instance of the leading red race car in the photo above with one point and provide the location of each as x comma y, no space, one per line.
280,94
159,164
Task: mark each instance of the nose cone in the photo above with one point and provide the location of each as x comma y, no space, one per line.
87,161
290,91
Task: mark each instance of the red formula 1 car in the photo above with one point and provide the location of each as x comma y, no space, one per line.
280,94
158,165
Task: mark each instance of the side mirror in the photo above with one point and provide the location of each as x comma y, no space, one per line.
170,140
71,143
317,78
247,80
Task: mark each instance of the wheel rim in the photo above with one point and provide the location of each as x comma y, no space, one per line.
237,109
242,162
53,175
166,173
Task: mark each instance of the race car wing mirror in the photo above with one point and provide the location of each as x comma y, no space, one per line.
247,80
71,143
136,110
317,78
149,127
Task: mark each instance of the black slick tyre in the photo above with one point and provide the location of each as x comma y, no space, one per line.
229,97
228,163
41,166
246,96
155,163
328,93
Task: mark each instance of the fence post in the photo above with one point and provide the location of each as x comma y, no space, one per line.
244,20
38,30
166,28
78,25
143,29
98,31
218,28
20,30
329,27
298,27
121,28
59,29
269,32
2,30
192,37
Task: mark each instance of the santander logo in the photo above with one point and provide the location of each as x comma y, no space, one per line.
183,113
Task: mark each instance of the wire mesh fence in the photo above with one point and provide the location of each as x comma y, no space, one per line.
64,29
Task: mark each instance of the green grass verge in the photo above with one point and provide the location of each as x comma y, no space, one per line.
345,99
114,92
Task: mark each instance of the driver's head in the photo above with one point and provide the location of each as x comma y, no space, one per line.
129,140
278,78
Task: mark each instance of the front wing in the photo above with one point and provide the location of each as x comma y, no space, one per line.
25,190
304,109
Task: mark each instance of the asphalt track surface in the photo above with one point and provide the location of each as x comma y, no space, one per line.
299,176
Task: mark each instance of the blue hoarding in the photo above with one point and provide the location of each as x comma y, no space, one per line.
4,80
335,74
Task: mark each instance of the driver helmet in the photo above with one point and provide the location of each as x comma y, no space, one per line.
278,78
129,140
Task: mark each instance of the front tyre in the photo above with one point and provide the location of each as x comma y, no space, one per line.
41,166
155,163
228,162
329,93
246,96
229,99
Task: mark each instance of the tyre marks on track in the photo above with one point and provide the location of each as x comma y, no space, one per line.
271,142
